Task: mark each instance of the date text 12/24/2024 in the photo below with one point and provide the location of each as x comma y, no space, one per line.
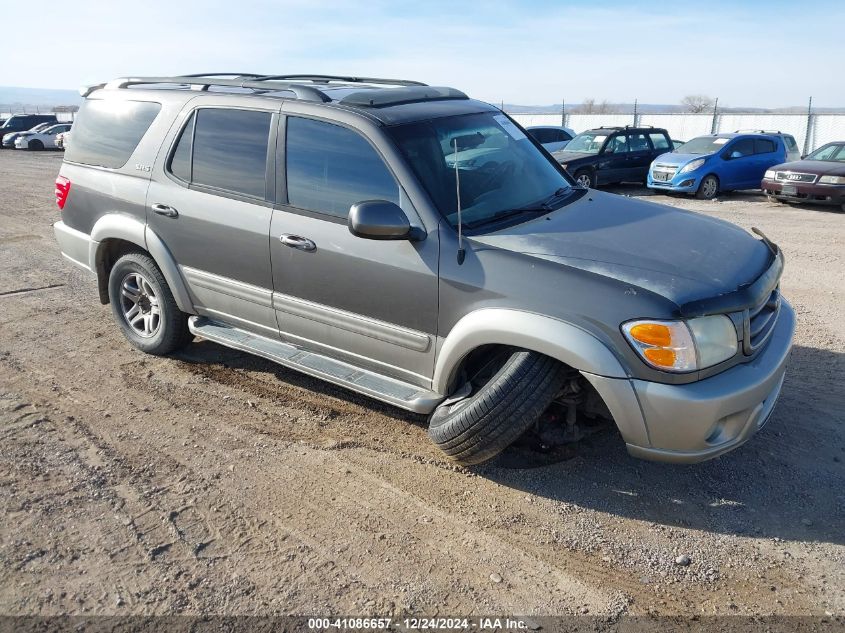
421,623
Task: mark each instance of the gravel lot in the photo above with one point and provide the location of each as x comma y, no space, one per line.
216,482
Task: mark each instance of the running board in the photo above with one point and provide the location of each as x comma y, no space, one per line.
395,392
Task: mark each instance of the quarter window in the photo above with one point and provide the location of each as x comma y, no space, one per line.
330,168
659,141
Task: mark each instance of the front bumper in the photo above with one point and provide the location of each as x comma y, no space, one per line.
680,183
698,421
814,193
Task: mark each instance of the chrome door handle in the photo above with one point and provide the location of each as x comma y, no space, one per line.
163,209
295,241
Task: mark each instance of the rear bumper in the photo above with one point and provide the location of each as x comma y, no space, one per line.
701,420
812,193
76,246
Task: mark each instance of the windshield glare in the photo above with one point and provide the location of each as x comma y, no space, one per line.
703,145
835,153
500,169
587,142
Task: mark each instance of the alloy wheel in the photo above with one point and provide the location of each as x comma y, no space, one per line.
139,305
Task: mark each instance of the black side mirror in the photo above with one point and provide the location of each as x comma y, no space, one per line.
380,220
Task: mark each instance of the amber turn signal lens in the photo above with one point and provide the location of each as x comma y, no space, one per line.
661,357
653,334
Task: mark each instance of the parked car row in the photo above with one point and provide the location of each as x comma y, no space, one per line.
33,132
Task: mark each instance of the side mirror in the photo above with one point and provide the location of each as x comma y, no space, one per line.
736,154
379,220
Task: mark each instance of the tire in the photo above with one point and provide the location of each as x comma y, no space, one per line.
708,189
500,410
35,145
586,178
135,281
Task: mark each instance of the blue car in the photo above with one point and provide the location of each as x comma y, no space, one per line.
710,164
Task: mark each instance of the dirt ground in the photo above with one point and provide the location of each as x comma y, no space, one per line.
216,482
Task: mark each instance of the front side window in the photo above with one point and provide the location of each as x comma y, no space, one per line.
107,131
330,168
617,145
638,143
833,152
744,147
500,172
230,150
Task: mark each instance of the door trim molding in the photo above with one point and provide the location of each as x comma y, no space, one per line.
227,286
352,322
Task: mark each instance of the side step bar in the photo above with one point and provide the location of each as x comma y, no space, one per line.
395,392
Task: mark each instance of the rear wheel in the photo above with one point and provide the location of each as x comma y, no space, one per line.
36,145
144,307
507,389
585,178
708,189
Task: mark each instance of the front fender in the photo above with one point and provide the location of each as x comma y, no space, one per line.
502,326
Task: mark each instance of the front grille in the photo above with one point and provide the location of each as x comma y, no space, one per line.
759,322
663,172
791,176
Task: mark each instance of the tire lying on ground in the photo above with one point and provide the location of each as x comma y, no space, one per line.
507,396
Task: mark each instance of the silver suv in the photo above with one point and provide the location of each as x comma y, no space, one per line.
415,245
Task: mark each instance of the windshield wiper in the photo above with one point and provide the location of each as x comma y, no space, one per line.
507,213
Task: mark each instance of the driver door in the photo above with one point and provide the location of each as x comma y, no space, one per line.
371,303
613,165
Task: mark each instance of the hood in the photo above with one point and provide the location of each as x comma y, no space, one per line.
677,254
565,157
819,167
671,158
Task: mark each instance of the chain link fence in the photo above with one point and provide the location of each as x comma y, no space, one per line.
811,131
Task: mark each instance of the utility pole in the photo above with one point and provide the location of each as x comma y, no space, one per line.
809,131
714,124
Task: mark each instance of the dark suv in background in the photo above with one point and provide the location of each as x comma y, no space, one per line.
24,122
609,155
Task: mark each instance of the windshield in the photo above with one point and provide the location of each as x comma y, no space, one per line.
587,142
703,145
833,152
501,171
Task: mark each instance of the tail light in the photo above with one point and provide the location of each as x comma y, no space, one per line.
62,189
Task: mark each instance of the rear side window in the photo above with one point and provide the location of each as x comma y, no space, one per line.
764,146
105,133
791,145
224,149
659,141
330,168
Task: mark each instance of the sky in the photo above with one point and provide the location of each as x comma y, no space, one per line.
761,53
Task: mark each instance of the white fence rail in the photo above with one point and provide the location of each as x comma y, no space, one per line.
810,131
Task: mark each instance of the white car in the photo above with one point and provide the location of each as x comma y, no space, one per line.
62,140
42,139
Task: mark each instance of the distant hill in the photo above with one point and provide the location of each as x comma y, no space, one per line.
12,98
657,108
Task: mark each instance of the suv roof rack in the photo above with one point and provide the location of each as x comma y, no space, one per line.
622,127
752,131
302,86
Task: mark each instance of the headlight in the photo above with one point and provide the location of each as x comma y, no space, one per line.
682,346
770,174
698,162
832,180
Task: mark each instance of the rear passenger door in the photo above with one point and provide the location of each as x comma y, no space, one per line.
210,200
767,154
371,303
639,157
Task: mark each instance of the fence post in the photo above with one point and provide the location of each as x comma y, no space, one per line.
809,128
636,116
563,112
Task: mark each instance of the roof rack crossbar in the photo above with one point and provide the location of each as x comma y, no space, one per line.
324,79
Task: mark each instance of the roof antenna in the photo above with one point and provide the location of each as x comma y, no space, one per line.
461,251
